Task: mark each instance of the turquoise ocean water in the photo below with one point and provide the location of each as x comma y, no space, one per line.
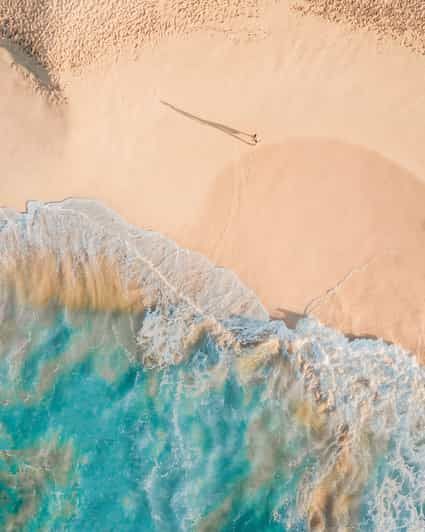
114,421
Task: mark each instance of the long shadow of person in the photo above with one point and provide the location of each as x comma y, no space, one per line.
247,138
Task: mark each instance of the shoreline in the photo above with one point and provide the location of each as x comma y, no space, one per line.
340,116
102,268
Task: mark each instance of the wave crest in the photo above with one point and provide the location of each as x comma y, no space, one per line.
82,255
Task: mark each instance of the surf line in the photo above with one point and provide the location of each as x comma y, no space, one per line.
248,138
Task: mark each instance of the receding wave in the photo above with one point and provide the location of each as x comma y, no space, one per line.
144,387
84,256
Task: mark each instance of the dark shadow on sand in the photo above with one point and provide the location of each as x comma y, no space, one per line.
291,320
289,317
246,138
29,63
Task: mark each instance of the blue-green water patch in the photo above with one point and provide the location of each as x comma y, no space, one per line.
232,437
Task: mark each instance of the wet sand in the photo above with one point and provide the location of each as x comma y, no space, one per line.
323,215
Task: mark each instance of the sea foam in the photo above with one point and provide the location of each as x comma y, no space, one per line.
145,388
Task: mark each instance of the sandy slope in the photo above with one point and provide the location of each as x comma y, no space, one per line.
323,215
335,186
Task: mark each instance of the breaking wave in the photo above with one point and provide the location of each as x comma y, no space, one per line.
142,388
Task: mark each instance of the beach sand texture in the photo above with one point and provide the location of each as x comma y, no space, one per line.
325,215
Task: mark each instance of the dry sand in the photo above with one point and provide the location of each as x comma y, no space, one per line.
324,215
403,20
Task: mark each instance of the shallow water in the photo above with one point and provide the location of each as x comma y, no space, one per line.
194,411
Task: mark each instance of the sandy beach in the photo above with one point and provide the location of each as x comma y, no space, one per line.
212,288
154,113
